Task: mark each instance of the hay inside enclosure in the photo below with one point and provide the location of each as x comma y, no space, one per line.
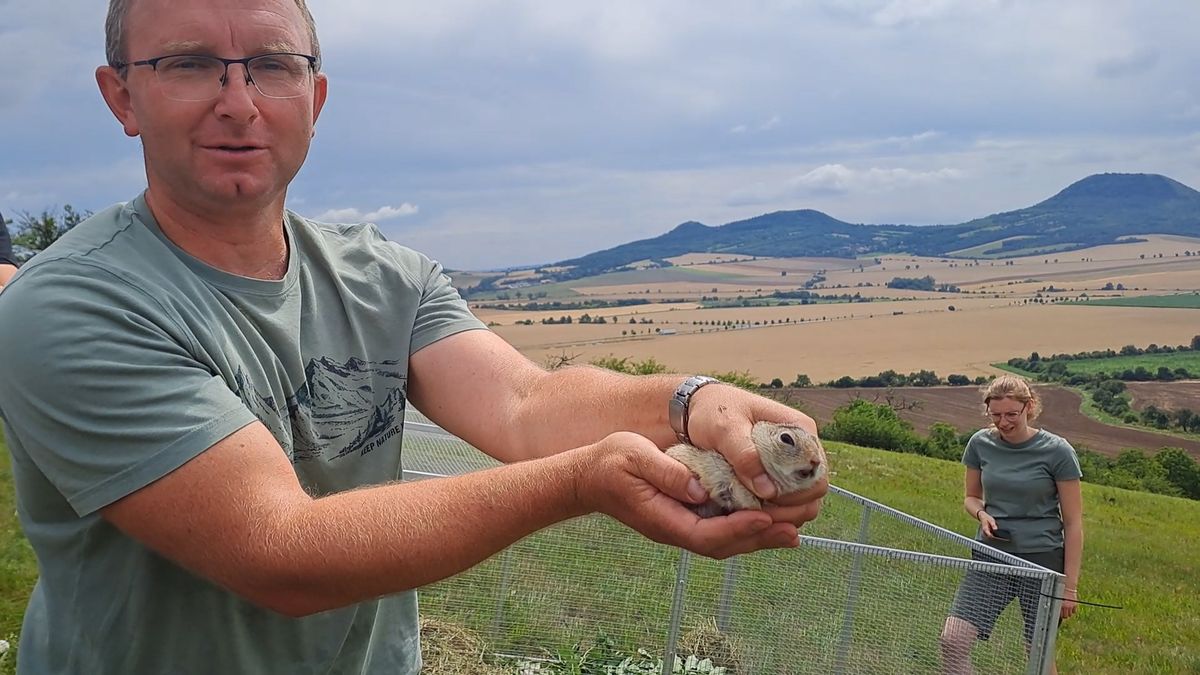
706,641
449,649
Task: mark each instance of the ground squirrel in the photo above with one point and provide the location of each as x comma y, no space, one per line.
793,458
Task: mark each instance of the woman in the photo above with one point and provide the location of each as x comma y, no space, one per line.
1022,485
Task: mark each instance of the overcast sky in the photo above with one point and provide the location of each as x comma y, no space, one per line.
492,134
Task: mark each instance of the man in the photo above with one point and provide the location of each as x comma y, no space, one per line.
205,417
8,264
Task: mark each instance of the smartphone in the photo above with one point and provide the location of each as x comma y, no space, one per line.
1001,534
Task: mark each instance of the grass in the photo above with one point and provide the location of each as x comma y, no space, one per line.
1142,552
1177,300
18,568
590,575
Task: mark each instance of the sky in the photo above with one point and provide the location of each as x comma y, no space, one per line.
498,134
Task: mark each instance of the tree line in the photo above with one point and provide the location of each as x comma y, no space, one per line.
1108,391
1170,471
34,232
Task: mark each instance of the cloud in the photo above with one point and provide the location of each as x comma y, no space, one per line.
770,123
529,130
1128,65
353,215
836,178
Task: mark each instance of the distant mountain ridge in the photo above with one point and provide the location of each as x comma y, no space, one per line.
1099,209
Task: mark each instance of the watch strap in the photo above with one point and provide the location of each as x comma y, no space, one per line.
678,408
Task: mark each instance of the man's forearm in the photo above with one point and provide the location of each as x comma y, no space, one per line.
588,403
381,540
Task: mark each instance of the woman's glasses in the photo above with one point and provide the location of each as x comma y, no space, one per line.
1011,416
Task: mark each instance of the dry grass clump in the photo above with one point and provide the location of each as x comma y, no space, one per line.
450,649
706,641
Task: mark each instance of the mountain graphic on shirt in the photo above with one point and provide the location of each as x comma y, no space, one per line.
343,409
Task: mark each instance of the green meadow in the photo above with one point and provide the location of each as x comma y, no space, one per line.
1178,300
1142,552
1115,365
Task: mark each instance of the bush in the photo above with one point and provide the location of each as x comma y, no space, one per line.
741,379
943,442
874,426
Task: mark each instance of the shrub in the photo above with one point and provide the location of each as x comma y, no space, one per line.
873,425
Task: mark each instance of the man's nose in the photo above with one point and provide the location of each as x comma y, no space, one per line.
236,99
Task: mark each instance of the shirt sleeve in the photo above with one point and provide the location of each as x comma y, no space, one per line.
971,454
441,311
1065,463
100,387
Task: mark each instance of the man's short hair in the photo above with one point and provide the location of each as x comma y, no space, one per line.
118,10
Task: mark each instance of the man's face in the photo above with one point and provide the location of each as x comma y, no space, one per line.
240,148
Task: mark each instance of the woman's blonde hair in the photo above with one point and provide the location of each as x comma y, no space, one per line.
1015,387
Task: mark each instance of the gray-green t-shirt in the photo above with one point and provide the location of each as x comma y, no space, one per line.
1019,488
122,357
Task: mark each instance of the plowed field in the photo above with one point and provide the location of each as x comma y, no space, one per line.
961,407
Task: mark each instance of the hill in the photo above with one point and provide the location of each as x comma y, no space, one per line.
1141,553
787,234
1100,209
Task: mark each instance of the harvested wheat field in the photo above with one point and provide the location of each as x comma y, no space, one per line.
961,408
683,317
964,341
1082,264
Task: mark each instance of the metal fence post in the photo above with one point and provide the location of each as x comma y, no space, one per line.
502,592
725,604
681,575
847,634
1045,630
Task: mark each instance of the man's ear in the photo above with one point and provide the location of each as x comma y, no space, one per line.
116,94
320,92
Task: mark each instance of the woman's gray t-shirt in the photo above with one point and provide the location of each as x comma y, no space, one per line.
1019,486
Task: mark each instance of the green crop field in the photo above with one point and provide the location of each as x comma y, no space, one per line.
1142,552
1189,360
1178,300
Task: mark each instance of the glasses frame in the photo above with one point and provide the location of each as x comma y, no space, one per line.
224,79
1012,415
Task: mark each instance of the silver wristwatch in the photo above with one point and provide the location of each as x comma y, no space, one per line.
677,407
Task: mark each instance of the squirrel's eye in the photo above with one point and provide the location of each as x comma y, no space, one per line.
787,439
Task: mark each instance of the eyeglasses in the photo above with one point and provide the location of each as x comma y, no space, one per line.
1012,416
192,77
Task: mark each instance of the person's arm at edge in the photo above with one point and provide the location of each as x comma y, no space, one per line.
481,389
237,515
973,499
1070,497
6,274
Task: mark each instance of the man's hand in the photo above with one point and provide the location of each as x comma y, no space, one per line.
721,417
627,477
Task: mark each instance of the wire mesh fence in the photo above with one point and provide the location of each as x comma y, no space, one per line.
867,591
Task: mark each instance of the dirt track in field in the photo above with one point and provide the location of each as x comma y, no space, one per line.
961,407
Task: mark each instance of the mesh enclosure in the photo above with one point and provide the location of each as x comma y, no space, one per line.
867,591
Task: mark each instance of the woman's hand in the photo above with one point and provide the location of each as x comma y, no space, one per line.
1069,604
987,522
